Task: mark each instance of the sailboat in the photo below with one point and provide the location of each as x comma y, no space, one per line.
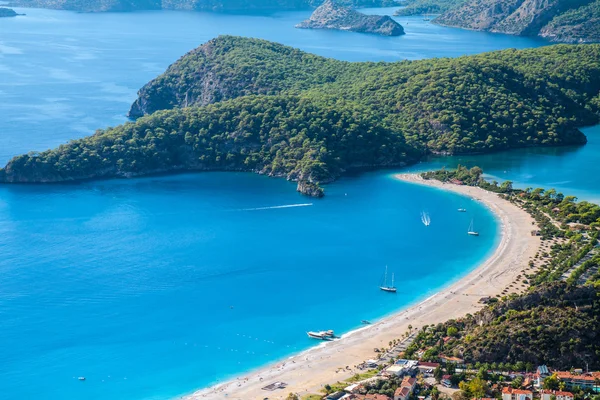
472,230
385,287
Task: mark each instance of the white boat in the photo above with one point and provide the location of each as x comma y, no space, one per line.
81,378
322,335
462,210
391,288
472,230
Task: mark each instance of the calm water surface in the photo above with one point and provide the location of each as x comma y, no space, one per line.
154,287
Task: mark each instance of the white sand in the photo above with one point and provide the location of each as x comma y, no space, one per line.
307,372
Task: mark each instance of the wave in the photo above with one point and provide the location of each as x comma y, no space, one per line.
425,218
276,207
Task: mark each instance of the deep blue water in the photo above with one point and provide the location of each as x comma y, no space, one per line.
154,287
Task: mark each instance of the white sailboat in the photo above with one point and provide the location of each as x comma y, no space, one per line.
385,287
472,230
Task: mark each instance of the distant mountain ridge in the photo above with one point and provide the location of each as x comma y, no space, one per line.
558,20
331,15
190,5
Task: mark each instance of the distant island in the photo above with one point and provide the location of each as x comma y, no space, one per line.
331,15
7,12
556,20
190,5
240,104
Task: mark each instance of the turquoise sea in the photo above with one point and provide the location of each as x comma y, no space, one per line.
154,287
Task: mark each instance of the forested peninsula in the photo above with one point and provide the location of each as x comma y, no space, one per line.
189,5
252,105
557,20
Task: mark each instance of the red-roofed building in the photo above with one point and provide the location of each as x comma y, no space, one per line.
409,383
509,393
547,395
427,365
402,393
585,380
377,397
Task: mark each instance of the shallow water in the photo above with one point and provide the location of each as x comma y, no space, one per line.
154,287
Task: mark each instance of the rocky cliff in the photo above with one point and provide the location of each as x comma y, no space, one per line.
517,17
581,25
331,15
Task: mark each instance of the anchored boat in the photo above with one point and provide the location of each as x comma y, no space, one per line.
321,335
391,288
472,230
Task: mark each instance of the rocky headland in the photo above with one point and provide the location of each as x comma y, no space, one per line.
331,15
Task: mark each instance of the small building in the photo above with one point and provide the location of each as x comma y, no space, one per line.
509,393
425,367
453,360
402,393
560,395
409,382
353,396
447,381
402,367
377,397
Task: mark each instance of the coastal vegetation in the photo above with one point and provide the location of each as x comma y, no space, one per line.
253,105
422,7
557,20
331,15
553,321
189,5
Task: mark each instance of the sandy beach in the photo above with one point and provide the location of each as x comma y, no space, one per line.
307,372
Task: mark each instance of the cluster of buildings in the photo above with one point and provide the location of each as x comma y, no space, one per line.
401,368
531,389
571,380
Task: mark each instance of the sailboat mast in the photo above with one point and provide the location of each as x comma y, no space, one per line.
385,277
392,279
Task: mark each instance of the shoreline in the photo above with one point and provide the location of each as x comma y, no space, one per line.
308,371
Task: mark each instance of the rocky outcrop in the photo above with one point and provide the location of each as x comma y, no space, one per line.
310,189
516,17
331,15
7,12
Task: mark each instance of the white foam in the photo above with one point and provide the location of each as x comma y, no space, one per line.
276,207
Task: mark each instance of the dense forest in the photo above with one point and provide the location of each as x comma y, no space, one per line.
190,5
421,7
259,106
555,324
570,21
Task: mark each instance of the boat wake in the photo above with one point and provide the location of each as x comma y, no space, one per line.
276,207
425,218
